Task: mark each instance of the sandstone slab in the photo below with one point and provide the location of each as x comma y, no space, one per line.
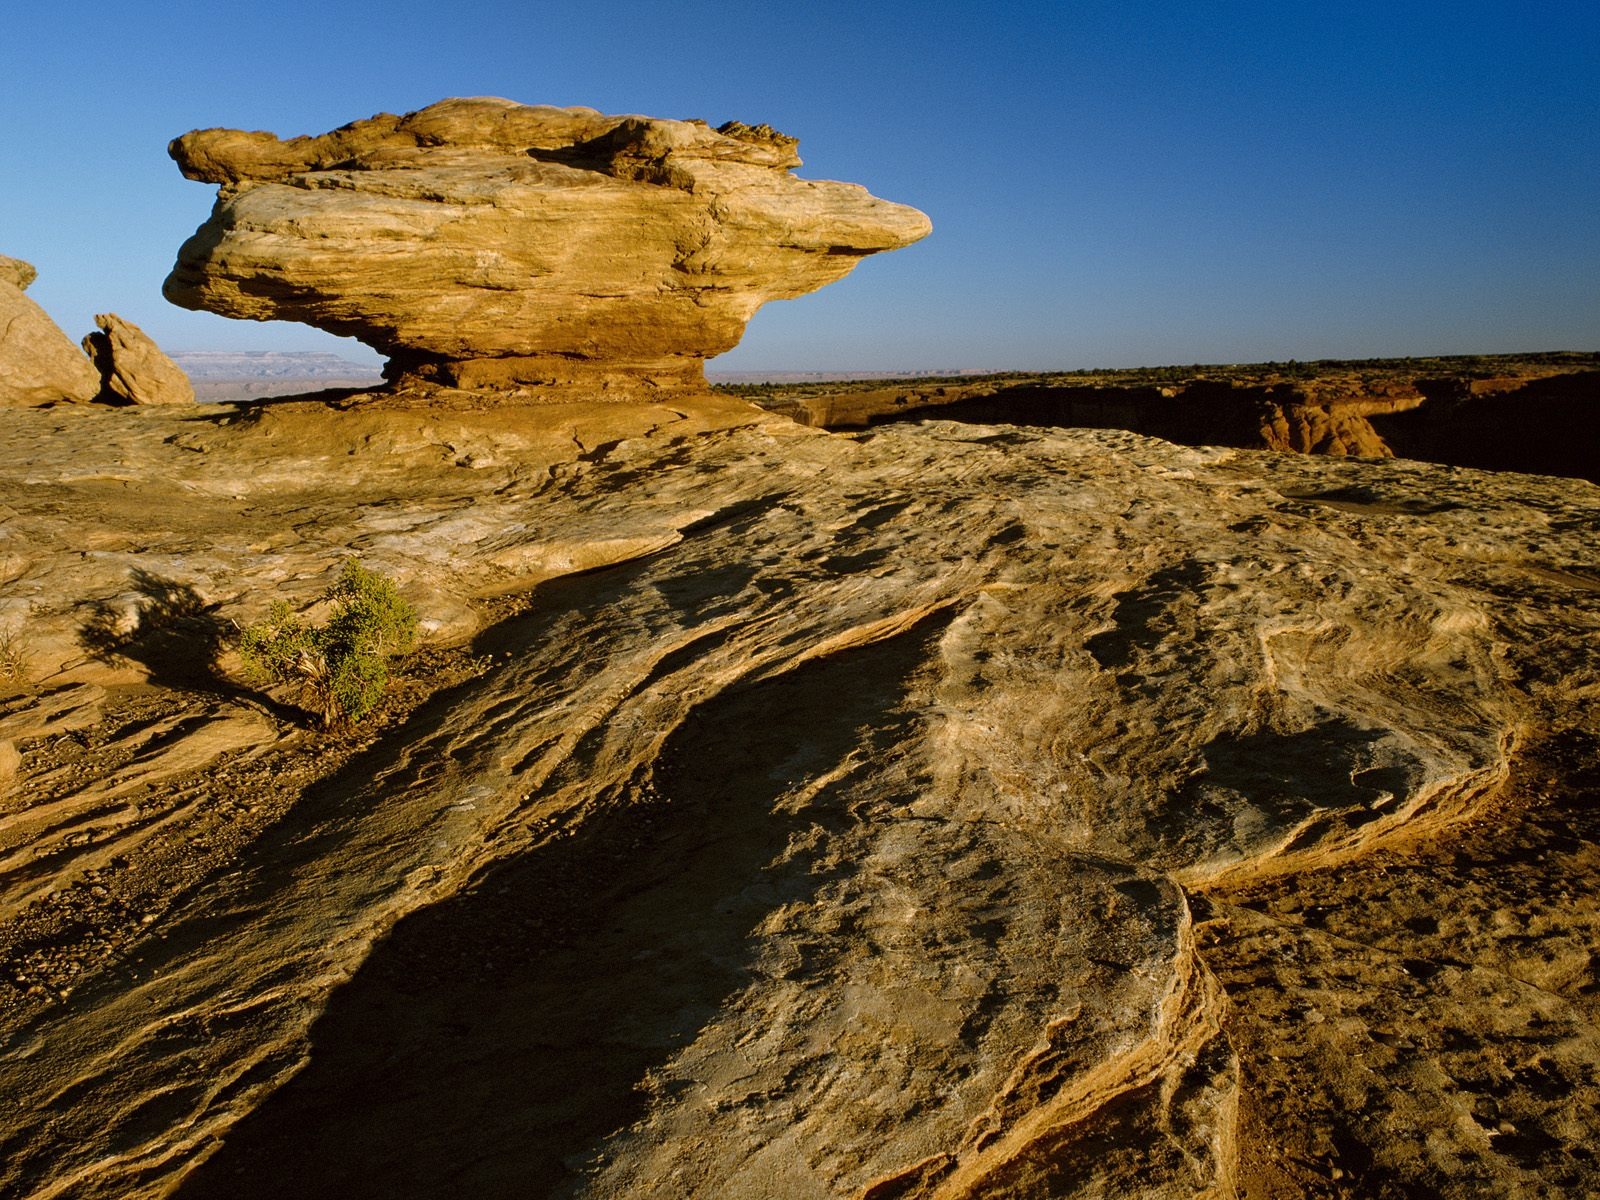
488,244
944,811
38,363
132,367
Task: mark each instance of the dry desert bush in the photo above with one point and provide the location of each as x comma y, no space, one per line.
342,666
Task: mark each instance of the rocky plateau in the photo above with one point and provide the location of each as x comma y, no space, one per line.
942,808
1537,413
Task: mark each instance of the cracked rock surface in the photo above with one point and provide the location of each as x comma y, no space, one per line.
944,810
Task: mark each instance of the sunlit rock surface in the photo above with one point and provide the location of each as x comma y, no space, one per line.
133,369
487,244
947,810
38,363
17,273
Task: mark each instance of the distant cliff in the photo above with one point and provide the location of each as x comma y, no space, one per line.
225,376
1533,419
271,364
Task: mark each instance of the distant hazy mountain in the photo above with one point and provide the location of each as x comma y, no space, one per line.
201,365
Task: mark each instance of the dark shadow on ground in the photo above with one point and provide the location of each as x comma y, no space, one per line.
496,1035
174,634
1544,427
1203,413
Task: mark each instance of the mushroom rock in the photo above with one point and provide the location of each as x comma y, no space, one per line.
481,243
38,363
133,369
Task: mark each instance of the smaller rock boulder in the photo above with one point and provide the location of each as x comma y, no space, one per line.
38,363
133,369
17,273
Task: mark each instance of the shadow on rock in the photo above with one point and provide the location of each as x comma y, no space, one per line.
163,625
495,1039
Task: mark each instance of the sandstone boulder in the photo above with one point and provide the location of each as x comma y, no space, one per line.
132,367
484,243
38,363
17,273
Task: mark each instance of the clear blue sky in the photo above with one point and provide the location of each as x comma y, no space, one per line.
1110,183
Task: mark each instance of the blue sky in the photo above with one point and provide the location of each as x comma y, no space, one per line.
1110,184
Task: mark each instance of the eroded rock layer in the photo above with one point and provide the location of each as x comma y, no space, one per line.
485,244
941,811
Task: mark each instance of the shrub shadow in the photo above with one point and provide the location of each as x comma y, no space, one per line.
169,629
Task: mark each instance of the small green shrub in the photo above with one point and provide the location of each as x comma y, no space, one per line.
343,666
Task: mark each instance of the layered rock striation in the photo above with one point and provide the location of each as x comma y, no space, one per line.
481,243
943,811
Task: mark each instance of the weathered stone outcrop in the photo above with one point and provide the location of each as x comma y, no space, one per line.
38,363
17,273
486,244
941,811
133,369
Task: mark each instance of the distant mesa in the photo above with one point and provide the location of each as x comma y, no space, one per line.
484,244
204,366
234,376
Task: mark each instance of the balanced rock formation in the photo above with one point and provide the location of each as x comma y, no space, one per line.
132,367
38,363
483,243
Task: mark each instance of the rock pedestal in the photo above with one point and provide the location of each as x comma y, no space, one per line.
486,244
